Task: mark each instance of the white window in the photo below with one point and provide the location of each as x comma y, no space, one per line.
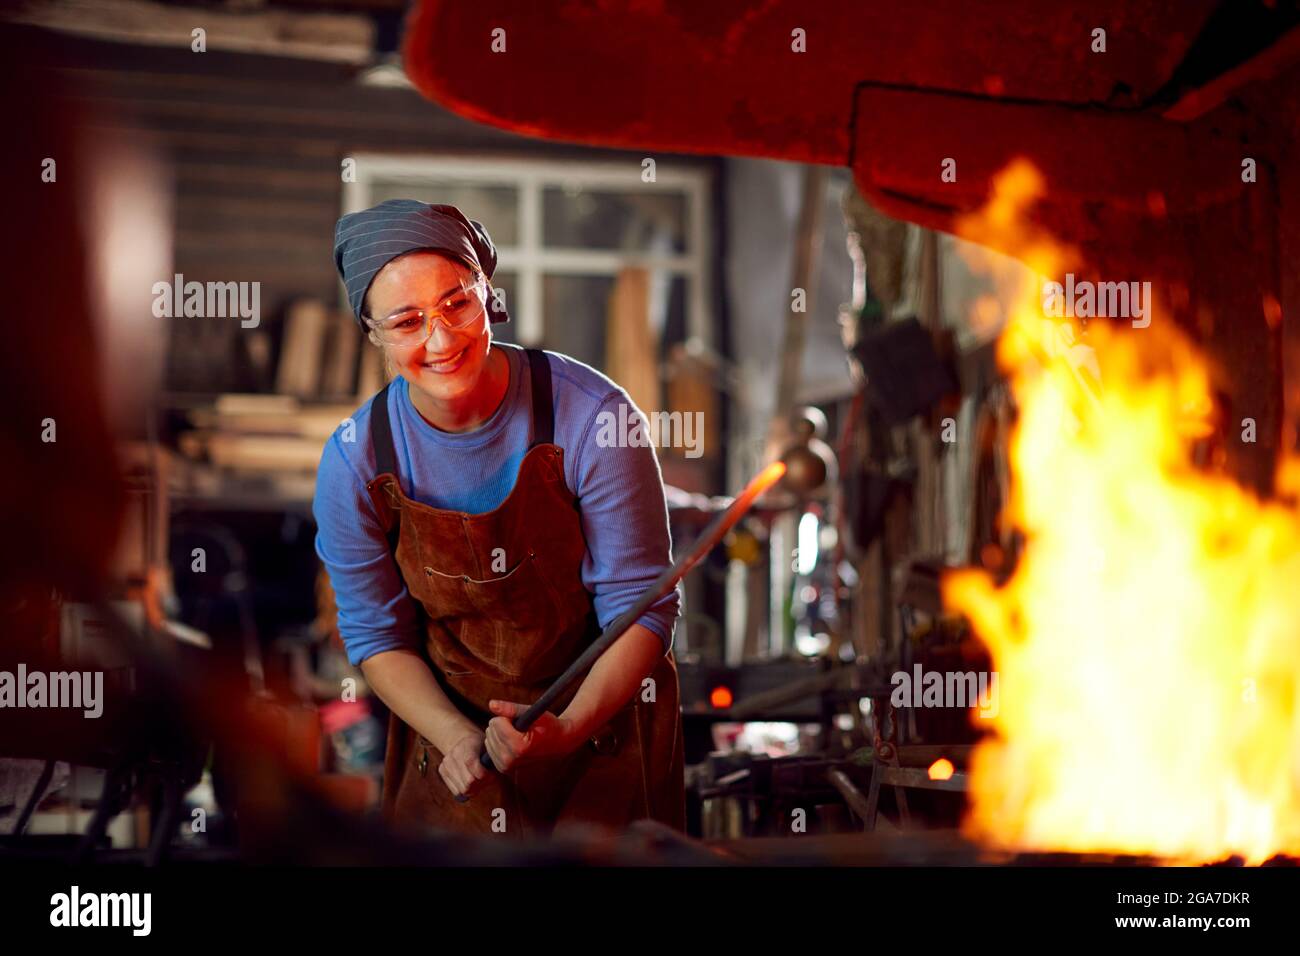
564,231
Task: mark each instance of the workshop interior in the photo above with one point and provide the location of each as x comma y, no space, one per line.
1008,291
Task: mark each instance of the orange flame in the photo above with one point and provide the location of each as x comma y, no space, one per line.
1147,643
941,769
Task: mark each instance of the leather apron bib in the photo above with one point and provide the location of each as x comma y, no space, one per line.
507,634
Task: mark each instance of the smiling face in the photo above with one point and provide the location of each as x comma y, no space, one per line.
452,365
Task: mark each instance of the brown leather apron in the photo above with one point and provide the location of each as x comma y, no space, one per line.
503,624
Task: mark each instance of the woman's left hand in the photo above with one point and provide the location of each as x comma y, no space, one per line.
549,736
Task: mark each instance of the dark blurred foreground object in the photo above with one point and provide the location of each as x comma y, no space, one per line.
61,494
61,491
64,496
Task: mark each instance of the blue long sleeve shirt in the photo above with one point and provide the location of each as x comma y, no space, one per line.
619,490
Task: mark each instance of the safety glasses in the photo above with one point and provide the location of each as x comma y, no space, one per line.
412,327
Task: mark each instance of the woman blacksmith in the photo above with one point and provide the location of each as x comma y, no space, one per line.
477,537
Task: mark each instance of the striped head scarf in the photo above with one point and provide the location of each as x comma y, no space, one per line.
366,241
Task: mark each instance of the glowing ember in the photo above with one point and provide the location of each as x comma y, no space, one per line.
941,769
1148,642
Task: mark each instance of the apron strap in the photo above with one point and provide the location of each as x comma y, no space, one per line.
381,442
543,414
381,433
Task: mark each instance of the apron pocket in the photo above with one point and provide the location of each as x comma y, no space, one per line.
518,619
518,598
